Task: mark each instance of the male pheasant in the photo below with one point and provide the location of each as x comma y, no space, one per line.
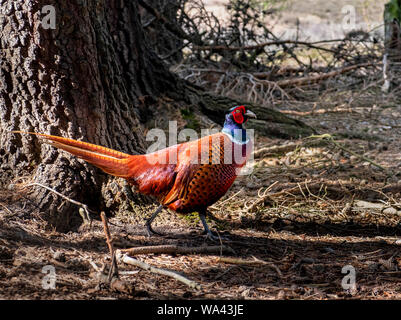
186,177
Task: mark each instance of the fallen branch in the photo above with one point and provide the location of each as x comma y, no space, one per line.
313,79
174,249
173,274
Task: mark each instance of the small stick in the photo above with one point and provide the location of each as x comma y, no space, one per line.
320,77
173,274
174,249
255,261
109,241
230,198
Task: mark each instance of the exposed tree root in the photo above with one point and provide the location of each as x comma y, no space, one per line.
174,249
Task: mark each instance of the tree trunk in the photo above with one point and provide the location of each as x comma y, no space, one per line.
392,43
88,79
91,78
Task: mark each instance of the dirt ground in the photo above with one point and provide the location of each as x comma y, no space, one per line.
302,232
294,223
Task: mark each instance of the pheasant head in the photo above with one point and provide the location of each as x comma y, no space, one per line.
235,119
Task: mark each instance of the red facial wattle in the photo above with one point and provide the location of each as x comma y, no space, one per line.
238,114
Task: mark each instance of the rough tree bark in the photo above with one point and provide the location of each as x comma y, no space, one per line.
87,79
392,43
91,78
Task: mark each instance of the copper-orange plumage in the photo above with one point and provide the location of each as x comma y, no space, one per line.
185,178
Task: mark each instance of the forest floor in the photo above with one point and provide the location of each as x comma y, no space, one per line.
309,208
301,216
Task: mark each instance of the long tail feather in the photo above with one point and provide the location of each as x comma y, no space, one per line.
109,160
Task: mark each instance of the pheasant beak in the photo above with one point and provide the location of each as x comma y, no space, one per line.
250,114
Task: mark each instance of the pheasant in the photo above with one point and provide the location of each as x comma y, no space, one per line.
185,178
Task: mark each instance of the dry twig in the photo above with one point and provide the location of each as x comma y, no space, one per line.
320,77
113,267
254,261
170,273
86,209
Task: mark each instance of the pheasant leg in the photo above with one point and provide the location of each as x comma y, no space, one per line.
207,231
